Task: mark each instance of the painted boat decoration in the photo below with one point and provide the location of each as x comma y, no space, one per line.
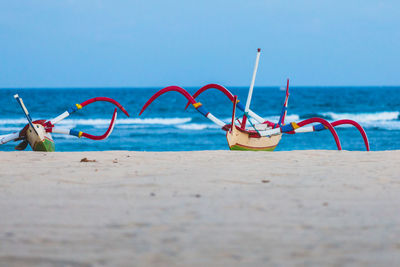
262,135
38,133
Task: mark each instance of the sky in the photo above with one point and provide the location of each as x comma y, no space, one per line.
83,43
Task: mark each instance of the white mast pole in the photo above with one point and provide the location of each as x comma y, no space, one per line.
252,82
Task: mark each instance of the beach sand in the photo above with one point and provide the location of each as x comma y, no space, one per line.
206,208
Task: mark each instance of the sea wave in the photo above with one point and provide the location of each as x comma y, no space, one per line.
132,121
382,125
101,121
387,120
10,129
13,121
364,117
288,118
197,126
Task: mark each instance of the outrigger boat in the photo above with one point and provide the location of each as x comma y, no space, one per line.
38,133
263,135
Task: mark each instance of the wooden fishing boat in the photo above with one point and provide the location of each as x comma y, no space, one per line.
38,133
243,140
254,132
39,140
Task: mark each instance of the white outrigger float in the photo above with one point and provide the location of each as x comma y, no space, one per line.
38,133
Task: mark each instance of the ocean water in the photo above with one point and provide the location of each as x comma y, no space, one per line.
166,126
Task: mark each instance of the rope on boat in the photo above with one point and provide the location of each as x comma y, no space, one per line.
252,125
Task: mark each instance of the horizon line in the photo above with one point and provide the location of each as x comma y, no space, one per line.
196,86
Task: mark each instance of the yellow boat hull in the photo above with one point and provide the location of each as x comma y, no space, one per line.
241,140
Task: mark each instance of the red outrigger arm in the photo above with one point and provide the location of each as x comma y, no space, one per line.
49,125
76,107
359,128
169,89
320,127
230,97
107,133
213,86
326,124
104,99
83,134
197,105
291,128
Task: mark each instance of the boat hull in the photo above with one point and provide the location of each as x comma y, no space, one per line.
241,140
45,145
41,141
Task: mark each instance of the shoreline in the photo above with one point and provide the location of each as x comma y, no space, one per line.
197,208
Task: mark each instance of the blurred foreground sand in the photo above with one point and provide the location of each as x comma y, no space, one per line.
206,208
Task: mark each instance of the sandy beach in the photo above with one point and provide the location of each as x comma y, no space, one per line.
206,208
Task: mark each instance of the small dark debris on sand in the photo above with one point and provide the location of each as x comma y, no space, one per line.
88,160
265,181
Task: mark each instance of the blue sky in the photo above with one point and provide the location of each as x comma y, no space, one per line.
190,43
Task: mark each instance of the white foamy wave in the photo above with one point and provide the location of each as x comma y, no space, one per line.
385,125
10,129
197,126
13,121
386,120
133,121
64,136
364,117
288,118
94,122
125,126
